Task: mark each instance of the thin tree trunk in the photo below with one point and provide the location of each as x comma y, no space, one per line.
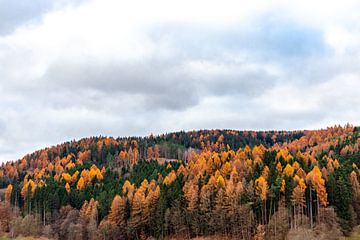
318,208
271,202
275,225
295,217
44,215
265,213
311,214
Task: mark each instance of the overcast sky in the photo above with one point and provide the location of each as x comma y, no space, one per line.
72,69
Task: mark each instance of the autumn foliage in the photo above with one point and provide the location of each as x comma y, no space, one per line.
208,182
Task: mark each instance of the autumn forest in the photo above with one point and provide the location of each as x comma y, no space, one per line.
209,183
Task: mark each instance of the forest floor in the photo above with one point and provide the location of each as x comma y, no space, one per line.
2,193
23,238
355,235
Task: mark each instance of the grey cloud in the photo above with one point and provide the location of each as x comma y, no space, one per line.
80,97
14,13
155,84
131,77
243,82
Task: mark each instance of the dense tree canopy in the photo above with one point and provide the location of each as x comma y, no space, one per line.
186,183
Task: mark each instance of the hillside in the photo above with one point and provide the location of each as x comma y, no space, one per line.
206,183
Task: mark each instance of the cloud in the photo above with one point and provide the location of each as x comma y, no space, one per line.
16,13
102,67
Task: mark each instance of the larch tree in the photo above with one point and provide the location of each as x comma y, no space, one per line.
316,182
262,188
356,193
88,219
289,170
8,192
191,194
67,187
66,177
156,151
81,184
136,220
205,205
117,211
151,200
149,153
122,155
298,198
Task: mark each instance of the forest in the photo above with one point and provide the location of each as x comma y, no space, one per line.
216,184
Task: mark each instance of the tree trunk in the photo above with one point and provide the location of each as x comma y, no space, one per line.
318,208
311,214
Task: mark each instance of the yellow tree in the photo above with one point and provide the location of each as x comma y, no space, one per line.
130,156
117,211
156,151
231,202
85,174
298,199
67,187
226,169
265,172
319,185
282,189
83,157
296,165
191,190
220,182
88,216
74,177
301,173
170,178
181,170
234,175
136,156
122,155
221,205
262,188
257,153
29,187
289,170
81,184
316,182
128,190
8,192
99,175
137,208
66,177
150,202
150,153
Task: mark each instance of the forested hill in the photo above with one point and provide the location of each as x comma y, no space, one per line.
240,184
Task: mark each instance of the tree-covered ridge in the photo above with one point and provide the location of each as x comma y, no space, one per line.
107,150
240,184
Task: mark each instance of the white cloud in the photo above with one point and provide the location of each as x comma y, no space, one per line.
131,68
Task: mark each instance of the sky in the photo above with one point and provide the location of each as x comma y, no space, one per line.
78,68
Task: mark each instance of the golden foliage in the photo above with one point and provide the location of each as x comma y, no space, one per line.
261,187
81,184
